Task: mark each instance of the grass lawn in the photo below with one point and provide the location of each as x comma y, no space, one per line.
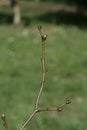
20,75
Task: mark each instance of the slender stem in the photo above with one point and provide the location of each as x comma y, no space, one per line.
28,120
6,126
43,76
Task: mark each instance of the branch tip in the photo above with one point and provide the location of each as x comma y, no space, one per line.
3,116
39,27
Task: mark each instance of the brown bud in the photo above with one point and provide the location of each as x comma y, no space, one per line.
68,101
59,109
3,116
44,37
39,27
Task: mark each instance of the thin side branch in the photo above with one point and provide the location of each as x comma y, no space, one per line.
59,108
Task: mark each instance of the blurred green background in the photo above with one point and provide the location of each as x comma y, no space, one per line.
66,61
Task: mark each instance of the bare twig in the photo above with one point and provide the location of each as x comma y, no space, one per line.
36,109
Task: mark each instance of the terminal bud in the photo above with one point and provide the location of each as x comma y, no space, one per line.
3,116
44,37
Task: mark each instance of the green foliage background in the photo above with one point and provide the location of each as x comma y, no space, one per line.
20,75
20,70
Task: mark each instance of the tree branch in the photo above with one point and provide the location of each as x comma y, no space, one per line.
36,109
